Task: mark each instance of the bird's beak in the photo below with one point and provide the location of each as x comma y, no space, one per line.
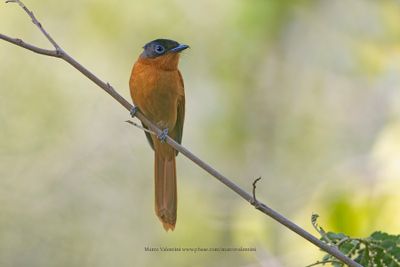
179,48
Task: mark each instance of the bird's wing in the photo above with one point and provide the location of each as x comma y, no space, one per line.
180,118
178,129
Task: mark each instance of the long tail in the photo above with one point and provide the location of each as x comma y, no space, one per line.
165,189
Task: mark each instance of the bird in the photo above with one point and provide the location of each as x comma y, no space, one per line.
157,90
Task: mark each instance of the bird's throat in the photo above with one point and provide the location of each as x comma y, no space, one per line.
167,62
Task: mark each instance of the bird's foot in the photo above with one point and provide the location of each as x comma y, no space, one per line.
133,111
163,135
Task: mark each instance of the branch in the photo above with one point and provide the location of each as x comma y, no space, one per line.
38,50
140,127
59,53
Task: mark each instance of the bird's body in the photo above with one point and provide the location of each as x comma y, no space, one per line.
157,89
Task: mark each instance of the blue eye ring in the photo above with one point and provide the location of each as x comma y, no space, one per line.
159,49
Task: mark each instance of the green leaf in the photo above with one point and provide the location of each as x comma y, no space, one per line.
364,261
379,235
336,236
348,246
378,250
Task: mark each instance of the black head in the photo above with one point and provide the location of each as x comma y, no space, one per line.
161,47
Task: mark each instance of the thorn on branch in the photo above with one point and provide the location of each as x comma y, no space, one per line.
254,201
109,86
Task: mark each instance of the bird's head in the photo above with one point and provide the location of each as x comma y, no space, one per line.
163,53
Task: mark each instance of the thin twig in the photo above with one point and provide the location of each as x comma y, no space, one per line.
323,262
33,48
36,22
140,127
58,52
254,201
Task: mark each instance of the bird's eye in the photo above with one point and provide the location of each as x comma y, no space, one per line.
159,49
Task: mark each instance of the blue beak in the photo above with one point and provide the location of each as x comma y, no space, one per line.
179,48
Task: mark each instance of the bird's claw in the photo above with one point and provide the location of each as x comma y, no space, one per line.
163,135
133,111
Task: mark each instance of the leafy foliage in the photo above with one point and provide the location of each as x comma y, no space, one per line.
377,250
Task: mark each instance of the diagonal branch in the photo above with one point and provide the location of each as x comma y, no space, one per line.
59,53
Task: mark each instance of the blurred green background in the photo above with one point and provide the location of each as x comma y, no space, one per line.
303,93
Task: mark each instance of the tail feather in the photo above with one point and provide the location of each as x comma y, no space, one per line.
165,189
